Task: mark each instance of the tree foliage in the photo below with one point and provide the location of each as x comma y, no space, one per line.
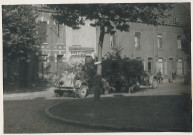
19,31
109,17
119,72
186,43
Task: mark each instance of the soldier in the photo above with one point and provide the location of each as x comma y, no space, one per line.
159,76
173,75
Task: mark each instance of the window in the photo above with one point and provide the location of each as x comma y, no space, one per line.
179,42
42,66
149,66
180,67
60,35
150,60
59,63
139,58
42,32
59,58
159,40
142,61
137,39
113,39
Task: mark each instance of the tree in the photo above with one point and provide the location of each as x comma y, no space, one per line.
186,43
19,36
108,17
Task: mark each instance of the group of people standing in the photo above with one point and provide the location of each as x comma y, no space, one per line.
160,78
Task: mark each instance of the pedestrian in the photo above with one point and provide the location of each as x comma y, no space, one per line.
159,75
173,75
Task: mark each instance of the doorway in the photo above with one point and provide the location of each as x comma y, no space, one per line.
160,65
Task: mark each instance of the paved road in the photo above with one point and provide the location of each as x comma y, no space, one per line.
163,89
24,112
29,117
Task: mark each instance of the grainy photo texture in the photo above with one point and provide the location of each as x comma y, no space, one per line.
109,67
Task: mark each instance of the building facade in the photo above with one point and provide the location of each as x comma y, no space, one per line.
61,43
158,47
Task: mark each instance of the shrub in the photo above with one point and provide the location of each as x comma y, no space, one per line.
89,70
187,79
119,72
122,72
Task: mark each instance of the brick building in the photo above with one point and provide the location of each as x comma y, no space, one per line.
61,43
159,47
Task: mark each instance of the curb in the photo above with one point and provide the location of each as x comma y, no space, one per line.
107,127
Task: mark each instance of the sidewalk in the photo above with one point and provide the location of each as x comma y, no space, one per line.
136,113
162,89
48,93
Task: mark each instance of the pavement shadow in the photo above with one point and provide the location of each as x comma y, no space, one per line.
171,113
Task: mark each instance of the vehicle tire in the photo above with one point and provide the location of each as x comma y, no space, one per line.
56,94
82,92
154,83
106,87
106,91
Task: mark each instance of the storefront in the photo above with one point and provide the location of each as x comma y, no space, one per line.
80,54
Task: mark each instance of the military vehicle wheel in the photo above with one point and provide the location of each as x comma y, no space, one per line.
154,83
106,92
105,87
82,92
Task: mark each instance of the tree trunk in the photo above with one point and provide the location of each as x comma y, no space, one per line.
8,71
99,66
23,74
29,72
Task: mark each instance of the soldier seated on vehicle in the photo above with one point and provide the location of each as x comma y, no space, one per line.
81,75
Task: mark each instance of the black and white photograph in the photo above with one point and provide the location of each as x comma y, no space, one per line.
96,67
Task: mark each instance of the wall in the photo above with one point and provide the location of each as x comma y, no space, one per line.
85,37
149,48
55,43
60,38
